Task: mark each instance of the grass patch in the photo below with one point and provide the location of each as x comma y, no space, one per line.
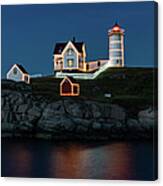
130,87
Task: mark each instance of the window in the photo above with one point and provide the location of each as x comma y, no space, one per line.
15,71
26,78
116,37
60,50
98,63
80,59
75,89
115,45
116,53
70,62
70,51
119,61
87,66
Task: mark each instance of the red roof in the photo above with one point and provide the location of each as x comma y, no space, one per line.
116,28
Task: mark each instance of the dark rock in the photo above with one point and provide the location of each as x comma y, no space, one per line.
22,112
147,117
6,126
73,108
24,126
133,124
81,129
56,122
95,109
96,126
6,116
107,126
55,108
81,121
22,108
117,113
34,113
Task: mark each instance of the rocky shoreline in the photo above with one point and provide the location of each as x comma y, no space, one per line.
26,115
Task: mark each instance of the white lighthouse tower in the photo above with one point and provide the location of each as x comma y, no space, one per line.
116,46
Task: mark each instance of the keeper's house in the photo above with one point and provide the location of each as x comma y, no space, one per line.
69,87
18,73
69,58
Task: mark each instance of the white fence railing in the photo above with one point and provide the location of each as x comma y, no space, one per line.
84,75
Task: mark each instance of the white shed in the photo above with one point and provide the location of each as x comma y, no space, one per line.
18,73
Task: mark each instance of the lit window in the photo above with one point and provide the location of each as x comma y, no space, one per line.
70,62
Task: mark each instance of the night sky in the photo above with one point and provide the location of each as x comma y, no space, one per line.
29,32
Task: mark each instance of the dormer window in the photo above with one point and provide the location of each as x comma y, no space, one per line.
60,50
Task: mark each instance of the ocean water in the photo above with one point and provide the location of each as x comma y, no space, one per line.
50,159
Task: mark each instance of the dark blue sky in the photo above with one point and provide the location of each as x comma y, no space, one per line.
29,32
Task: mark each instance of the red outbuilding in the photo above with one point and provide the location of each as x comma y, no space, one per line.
69,87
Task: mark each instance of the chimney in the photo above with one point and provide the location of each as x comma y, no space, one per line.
73,39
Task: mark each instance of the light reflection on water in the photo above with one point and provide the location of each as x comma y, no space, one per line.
111,161
16,155
117,160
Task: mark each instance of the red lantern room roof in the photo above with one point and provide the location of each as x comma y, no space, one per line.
116,29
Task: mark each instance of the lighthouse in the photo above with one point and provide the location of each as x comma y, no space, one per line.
116,46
